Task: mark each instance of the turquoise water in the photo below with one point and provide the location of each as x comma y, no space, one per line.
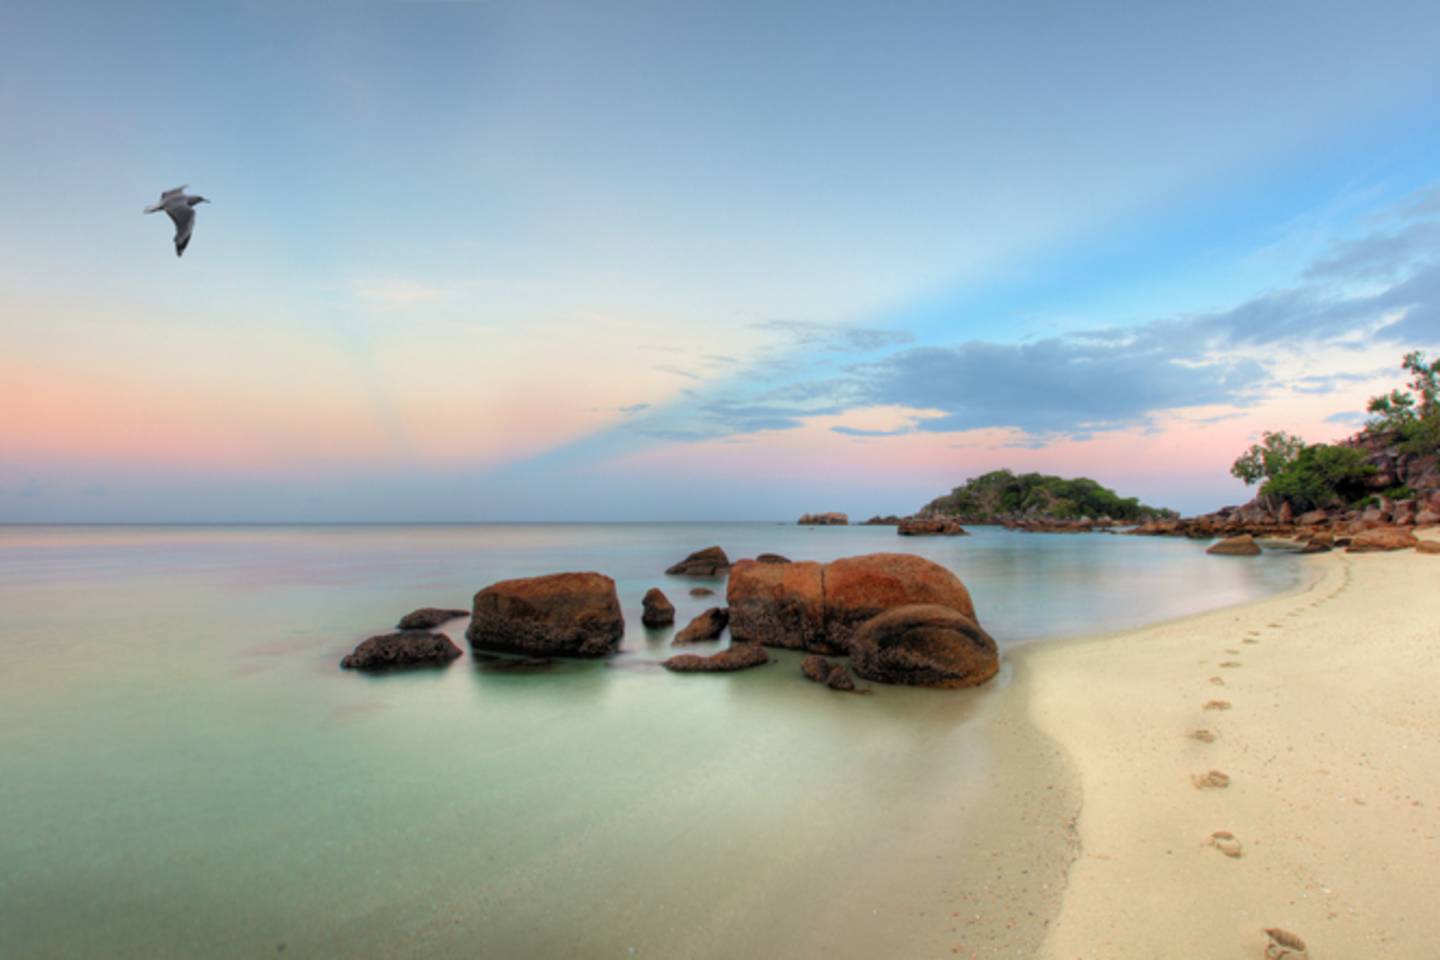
184,771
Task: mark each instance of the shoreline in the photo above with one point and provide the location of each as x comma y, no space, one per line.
1330,746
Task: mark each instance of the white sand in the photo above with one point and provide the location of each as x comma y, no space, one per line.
1332,747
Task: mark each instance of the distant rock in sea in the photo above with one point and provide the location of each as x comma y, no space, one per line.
658,610
931,527
886,521
738,657
704,628
824,520
410,648
710,562
924,645
560,615
428,618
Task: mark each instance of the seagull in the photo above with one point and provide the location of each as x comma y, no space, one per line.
181,208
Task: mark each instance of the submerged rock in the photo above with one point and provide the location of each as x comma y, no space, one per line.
738,657
924,645
563,615
409,648
427,618
710,562
491,663
833,675
1242,546
658,610
707,626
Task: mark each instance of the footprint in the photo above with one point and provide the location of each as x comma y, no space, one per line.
1249,640
1284,945
1204,736
1217,705
1233,653
1218,681
1214,780
1225,842
1231,664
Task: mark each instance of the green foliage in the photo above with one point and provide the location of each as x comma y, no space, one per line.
1002,493
1265,461
1400,493
1321,476
1412,416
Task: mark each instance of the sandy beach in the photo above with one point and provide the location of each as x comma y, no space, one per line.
1306,726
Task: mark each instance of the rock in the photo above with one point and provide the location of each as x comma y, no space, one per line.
833,675
1427,546
738,657
777,604
428,618
710,562
409,648
858,588
1380,539
925,645
657,610
1316,546
563,614
771,558
1427,518
1242,546
701,592
707,626
1312,518
823,520
930,527
889,520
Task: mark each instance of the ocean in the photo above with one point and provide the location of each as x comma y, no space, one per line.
186,772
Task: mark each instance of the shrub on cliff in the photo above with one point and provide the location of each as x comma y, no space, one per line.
1321,476
1411,417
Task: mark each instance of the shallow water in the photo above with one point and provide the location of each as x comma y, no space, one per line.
185,772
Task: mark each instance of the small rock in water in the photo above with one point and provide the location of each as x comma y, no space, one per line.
409,648
701,592
428,618
658,610
706,627
710,562
738,657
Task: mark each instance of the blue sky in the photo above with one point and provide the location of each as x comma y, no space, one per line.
595,261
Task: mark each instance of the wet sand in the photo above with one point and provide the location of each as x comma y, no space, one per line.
1275,764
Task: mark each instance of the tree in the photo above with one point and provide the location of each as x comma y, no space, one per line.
1267,460
1400,410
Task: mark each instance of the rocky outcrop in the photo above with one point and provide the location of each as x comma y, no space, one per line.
814,607
409,648
771,558
833,675
858,588
738,657
1242,546
563,614
890,520
823,520
656,609
930,527
710,562
706,627
925,645
428,618
777,604
1381,539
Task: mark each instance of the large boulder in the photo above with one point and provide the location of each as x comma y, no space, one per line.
1242,546
924,645
657,610
1381,539
858,588
707,626
563,614
930,527
737,657
428,618
710,562
409,648
777,604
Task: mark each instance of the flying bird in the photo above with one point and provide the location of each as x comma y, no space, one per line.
181,208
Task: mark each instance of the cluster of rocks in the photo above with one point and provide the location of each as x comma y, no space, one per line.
824,520
898,617
890,520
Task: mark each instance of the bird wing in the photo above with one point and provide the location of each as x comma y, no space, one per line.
184,218
178,191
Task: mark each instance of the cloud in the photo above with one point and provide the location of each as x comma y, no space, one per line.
837,339
861,432
399,293
634,408
1351,418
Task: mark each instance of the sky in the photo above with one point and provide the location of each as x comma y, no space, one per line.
696,261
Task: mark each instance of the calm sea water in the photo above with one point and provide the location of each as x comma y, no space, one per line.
184,771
